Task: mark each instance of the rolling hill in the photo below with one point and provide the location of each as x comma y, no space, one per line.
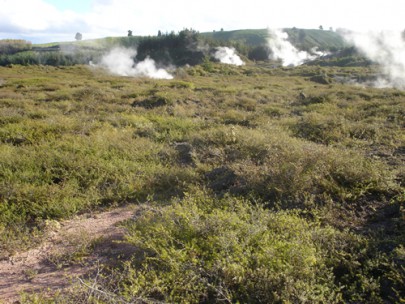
251,43
301,38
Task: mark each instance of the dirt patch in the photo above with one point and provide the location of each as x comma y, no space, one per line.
70,250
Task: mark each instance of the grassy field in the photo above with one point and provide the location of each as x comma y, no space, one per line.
262,184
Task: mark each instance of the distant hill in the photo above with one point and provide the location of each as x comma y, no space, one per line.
323,39
95,44
301,38
248,37
304,39
179,49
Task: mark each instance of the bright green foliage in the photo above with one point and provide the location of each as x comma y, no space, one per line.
207,250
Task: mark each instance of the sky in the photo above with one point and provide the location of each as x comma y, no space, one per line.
41,21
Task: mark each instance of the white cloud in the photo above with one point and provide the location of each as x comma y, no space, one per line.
38,20
36,16
116,17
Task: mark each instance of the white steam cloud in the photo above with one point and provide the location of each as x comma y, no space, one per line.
387,48
319,53
282,49
228,55
120,61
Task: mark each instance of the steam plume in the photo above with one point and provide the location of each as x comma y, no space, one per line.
387,48
120,61
228,55
319,53
282,49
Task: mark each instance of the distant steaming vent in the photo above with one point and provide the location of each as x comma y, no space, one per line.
120,61
387,48
228,55
282,49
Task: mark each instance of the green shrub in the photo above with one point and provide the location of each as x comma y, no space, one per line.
12,46
206,250
182,85
320,128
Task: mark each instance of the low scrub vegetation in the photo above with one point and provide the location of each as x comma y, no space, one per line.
12,46
258,184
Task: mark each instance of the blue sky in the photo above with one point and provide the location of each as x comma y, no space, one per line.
58,20
80,6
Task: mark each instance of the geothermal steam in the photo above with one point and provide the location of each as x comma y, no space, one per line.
282,49
228,55
387,48
120,61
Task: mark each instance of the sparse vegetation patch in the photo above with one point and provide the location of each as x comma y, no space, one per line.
258,183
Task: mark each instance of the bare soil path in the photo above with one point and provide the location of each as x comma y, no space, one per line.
70,249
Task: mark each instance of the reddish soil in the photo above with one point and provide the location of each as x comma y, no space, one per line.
70,250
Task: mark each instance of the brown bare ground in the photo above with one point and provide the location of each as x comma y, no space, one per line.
70,250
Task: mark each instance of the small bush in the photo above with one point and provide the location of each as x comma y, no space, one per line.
182,85
208,251
320,128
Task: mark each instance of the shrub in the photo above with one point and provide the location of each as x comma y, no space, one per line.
207,250
12,46
320,128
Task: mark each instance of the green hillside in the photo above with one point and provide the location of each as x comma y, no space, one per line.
172,48
302,38
249,37
97,44
309,38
